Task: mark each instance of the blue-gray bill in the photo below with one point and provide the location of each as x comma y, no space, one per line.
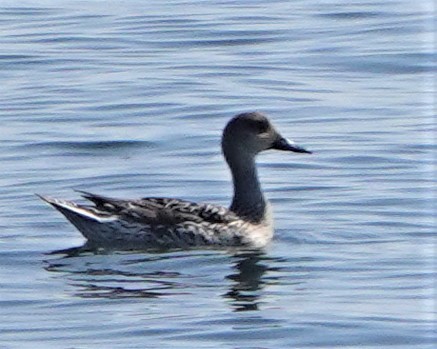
285,144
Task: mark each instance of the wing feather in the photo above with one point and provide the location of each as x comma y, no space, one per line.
160,211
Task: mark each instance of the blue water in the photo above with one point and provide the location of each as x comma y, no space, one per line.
129,99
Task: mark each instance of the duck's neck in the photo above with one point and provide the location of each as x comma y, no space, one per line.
248,201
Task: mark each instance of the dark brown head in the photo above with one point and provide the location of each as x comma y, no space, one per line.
252,133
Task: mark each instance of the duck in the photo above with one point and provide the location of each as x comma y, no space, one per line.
168,223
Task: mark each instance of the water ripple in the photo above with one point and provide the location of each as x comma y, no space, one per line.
129,99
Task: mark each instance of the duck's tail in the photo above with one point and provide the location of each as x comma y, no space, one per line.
88,220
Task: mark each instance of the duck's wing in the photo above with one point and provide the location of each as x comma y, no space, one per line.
159,211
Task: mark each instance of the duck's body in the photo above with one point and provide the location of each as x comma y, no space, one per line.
162,223
175,223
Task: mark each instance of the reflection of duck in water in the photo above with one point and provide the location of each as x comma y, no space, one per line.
244,293
142,275
174,223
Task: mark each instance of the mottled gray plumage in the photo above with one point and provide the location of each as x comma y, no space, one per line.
175,223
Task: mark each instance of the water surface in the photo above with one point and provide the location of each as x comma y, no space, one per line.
129,99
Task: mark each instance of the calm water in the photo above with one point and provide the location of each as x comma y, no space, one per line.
129,99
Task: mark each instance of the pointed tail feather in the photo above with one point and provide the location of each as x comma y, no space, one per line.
72,210
87,220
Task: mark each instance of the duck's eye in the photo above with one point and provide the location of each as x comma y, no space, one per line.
261,126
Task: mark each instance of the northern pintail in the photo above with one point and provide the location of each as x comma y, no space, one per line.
174,223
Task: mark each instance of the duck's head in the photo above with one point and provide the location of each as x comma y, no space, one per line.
251,133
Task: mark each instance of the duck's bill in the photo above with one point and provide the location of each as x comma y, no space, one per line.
286,144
